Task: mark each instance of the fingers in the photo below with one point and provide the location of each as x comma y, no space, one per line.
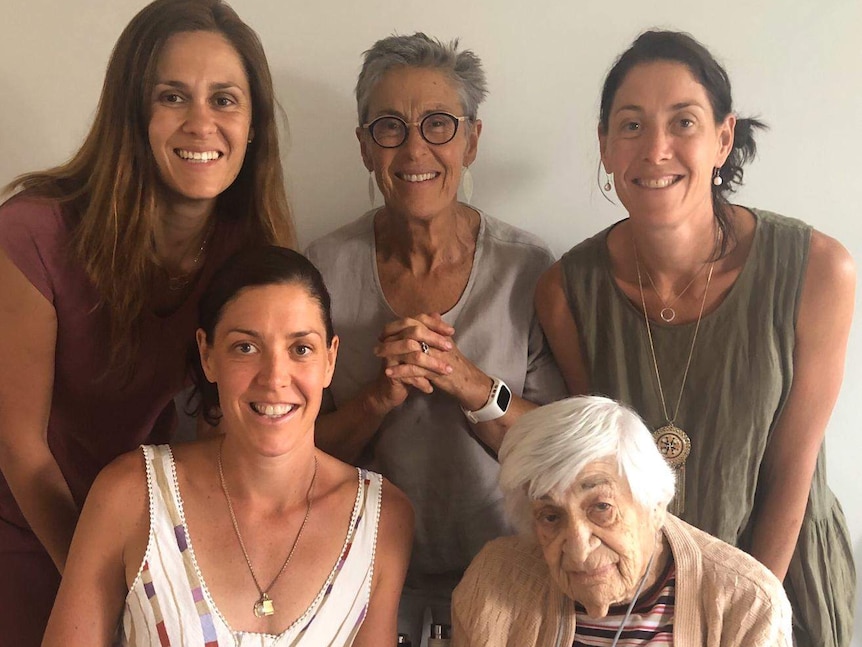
430,329
419,359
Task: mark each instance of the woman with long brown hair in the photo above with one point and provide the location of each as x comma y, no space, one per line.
102,261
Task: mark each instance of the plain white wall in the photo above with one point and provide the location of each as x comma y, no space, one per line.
795,64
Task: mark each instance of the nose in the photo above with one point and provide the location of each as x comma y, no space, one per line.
274,370
414,142
578,544
656,145
200,119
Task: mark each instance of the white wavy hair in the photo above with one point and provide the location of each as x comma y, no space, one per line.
549,447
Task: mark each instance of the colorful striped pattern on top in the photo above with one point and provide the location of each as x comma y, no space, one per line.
169,604
651,621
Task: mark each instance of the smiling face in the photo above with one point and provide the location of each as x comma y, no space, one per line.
596,540
418,179
270,361
662,143
200,116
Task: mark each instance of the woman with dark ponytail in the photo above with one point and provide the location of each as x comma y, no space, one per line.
725,327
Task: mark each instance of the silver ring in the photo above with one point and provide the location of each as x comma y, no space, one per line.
425,348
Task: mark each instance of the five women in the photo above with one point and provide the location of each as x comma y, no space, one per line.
105,257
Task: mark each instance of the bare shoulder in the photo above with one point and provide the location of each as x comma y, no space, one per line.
119,495
396,513
830,262
550,285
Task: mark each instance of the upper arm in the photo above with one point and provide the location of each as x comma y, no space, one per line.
560,329
110,540
822,330
27,347
392,556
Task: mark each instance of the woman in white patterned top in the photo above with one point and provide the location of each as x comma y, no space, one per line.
253,536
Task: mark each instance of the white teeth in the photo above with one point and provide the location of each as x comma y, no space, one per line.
421,177
194,156
272,410
657,184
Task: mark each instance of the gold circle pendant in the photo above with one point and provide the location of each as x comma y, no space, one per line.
673,444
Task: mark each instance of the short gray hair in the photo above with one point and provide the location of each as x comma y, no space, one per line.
549,447
419,50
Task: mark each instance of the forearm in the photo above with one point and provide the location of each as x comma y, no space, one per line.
492,432
45,501
345,432
777,519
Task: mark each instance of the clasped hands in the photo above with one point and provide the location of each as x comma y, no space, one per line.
406,363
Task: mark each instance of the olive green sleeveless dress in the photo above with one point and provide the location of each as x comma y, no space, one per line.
737,386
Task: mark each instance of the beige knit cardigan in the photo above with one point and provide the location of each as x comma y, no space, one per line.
724,597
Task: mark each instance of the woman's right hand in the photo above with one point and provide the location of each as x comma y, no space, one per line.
405,364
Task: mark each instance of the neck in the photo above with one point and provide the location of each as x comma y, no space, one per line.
423,244
678,252
279,481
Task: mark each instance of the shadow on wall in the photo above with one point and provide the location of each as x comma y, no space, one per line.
857,635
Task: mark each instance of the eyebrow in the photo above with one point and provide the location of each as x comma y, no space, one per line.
386,112
593,483
212,86
253,333
677,106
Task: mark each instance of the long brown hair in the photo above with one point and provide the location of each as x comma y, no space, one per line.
110,186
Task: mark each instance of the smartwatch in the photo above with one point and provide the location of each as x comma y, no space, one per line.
495,407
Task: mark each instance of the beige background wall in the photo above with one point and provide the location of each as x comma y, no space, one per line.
794,63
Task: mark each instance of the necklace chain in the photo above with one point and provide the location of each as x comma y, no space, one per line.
264,605
668,307
180,281
670,420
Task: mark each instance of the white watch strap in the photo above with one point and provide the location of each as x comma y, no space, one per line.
491,409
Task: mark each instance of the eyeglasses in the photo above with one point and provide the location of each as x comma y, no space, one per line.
436,128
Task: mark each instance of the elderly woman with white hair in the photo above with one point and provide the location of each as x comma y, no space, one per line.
599,560
441,350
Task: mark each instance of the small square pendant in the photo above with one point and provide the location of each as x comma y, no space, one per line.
264,607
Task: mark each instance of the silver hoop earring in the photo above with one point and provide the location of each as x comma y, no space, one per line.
467,184
371,183
607,186
716,176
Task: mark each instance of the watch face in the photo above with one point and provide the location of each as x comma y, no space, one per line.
503,398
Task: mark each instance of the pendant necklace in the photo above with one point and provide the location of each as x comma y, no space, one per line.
667,313
265,605
673,443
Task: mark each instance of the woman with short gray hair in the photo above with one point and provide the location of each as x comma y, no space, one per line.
441,348
599,559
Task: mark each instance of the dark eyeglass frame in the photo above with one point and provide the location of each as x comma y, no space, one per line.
419,126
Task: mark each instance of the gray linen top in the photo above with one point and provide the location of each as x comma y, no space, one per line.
426,446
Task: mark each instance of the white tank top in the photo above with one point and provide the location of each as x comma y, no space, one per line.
169,603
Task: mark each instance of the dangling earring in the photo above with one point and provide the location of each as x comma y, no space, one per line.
716,176
371,183
467,184
608,177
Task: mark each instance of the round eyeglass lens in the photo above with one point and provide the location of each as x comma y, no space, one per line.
438,127
389,132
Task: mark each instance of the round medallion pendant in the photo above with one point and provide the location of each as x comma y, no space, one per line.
667,314
673,444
